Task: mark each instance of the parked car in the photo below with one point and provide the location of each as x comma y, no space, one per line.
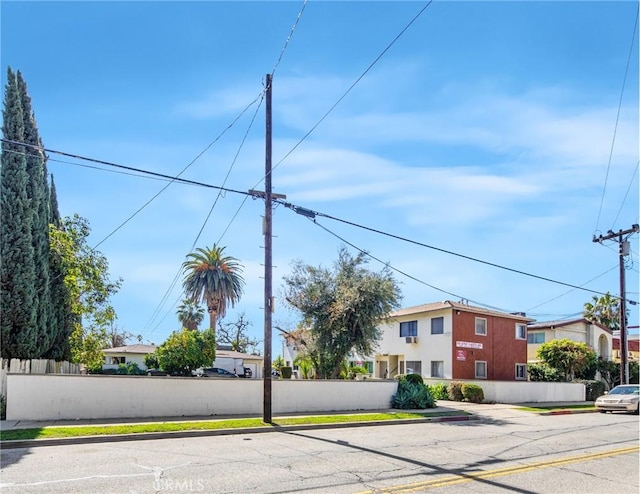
213,372
622,398
156,372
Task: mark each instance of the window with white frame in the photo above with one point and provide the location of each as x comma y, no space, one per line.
535,338
481,369
437,368
409,328
437,325
521,331
481,326
413,367
521,372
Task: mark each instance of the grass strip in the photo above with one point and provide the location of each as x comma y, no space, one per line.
215,424
551,408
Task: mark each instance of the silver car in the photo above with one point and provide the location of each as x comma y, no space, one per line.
622,398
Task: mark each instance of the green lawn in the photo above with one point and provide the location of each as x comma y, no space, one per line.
82,430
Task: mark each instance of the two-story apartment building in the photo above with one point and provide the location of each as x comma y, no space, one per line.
596,336
453,340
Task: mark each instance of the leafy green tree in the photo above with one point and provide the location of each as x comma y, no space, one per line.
568,357
343,307
86,277
604,310
185,351
237,336
214,279
151,361
18,294
277,363
190,314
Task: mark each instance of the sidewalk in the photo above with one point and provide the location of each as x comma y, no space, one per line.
465,411
443,406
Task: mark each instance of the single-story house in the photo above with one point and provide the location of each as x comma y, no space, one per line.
128,353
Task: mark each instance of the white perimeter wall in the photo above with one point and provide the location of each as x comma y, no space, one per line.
56,397
525,391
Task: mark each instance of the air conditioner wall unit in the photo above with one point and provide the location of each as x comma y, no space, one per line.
411,339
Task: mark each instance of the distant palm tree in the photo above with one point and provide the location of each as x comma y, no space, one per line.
214,279
190,314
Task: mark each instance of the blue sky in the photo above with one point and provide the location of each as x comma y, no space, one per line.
486,130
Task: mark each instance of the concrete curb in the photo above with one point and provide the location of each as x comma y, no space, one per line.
144,436
568,411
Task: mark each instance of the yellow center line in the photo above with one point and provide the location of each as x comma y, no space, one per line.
486,474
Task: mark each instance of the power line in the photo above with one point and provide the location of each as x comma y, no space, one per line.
387,264
572,290
286,43
312,214
377,59
125,167
220,191
624,199
615,128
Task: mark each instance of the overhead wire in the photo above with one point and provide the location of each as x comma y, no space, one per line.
220,191
184,169
313,214
624,199
344,95
403,273
262,94
615,128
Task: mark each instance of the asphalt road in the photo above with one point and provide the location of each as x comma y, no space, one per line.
507,450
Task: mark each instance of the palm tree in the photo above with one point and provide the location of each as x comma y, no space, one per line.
604,310
214,279
190,314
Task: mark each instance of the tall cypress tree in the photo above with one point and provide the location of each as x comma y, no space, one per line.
17,267
38,193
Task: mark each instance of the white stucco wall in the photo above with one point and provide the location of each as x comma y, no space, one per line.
428,348
54,397
525,391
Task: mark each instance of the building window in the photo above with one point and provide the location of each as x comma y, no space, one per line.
437,368
535,338
521,331
481,326
521,372
409,328
437,325
414,367
481,369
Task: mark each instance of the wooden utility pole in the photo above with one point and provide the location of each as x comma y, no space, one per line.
623,250
268,299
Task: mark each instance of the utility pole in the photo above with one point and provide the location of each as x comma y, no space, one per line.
268,255
623,250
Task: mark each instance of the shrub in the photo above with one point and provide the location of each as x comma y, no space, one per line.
412,396
542,372
439,391
414,379
454,390
130,369
472,393
3,408
592,388
286,372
